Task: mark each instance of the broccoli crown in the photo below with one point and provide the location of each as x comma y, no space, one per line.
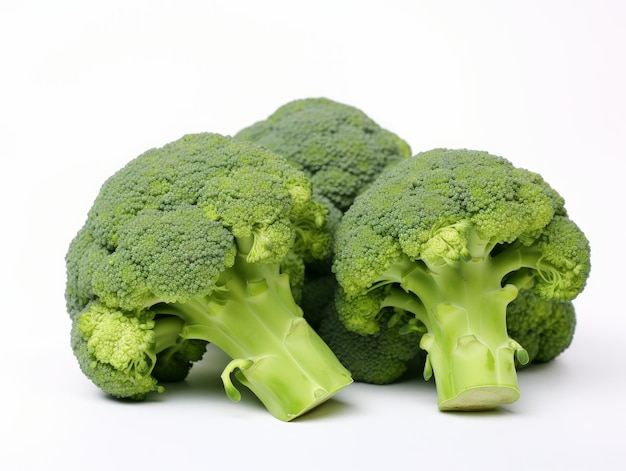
338,146
445,206
451,236
167,225
202,240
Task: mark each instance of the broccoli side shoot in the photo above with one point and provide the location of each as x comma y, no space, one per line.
545,328
379,358
450,236
201,241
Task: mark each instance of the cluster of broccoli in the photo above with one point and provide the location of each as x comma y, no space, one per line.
315,249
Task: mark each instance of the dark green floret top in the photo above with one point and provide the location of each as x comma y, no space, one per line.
338,146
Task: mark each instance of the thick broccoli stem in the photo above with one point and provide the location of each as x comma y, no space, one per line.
253,318
463,307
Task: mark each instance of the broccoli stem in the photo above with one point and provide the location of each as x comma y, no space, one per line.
253,318
166,333
463,307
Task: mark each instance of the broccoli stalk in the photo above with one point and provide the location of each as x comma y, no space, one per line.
254,319
466,340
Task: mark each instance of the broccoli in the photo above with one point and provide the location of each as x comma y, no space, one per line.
199,241
379,358
342,150
338,146
544,327
450,237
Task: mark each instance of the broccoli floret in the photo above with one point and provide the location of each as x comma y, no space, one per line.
338,146
545,328
118,349
194,243
450,236
380,358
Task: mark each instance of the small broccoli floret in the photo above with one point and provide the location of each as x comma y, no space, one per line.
545,328
129,353
379,358
451,236
338,146
192,243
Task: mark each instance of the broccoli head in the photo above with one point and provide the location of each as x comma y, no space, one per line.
338,146
451,236
193,243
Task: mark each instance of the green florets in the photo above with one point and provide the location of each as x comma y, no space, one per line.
164,227
164,257
378,358
564,264
339,147
84,257
426,205
116,350
543,327
174,363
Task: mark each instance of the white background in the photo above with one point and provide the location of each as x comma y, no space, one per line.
87,86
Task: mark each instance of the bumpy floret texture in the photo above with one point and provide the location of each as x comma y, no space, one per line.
116,349
379,358
338,146
425,206
164,227
545,328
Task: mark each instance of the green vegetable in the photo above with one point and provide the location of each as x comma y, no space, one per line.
447,239
379,358
338,146
545,328
192,243
342,150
